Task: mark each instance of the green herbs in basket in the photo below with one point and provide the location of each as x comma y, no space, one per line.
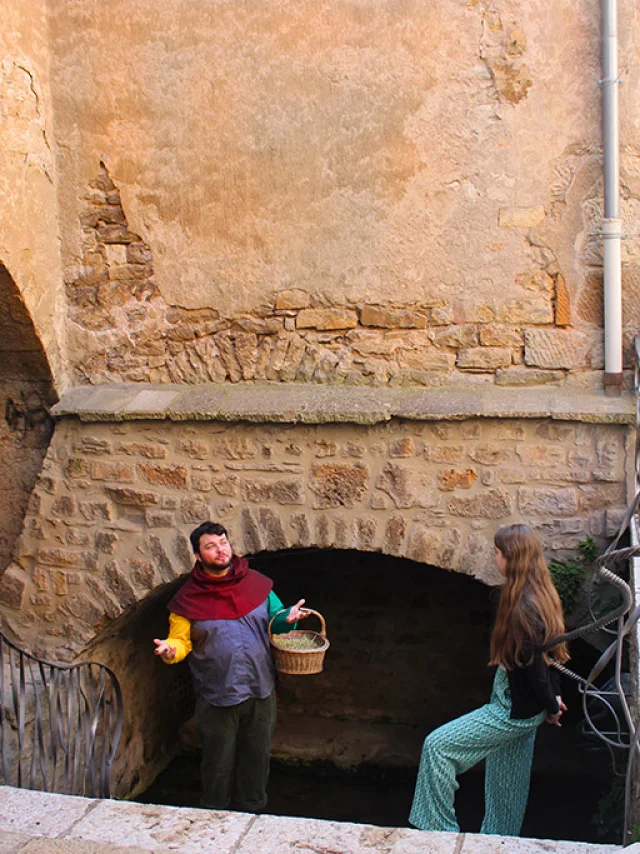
297,643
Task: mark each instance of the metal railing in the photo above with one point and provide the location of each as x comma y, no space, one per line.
60,724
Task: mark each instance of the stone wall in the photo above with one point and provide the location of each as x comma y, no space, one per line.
26,392
29,224
125,330
337,193
109,518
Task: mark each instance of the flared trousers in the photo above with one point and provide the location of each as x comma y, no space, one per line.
486,733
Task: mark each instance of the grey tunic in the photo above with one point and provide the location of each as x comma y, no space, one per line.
231,659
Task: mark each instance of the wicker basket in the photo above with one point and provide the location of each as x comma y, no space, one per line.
300,661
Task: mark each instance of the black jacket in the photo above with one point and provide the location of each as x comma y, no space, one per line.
533,688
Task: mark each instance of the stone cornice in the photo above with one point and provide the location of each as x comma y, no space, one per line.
314,404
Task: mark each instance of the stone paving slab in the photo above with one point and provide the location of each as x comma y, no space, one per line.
39,813
312,404
190,831
40,823
474,843
287,835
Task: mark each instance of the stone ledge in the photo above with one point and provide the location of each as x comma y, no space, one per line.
41,823
310,404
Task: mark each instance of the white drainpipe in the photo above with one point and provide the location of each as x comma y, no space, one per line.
611,223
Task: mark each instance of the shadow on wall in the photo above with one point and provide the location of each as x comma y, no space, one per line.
26,394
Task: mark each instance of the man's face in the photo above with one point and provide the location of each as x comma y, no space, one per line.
214,551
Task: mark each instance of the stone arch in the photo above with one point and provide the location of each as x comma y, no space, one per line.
26,393
109,518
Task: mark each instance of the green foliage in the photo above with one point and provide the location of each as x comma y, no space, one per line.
569,577
609,817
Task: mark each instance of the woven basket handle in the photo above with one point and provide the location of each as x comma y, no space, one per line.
323,625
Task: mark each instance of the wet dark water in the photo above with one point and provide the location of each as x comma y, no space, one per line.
560,807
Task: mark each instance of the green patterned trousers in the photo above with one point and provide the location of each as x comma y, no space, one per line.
486,733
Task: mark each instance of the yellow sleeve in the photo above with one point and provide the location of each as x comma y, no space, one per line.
180,637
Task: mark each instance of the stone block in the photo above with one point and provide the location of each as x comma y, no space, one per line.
194,508
526,311
201,481
119,586
548,502
489,504
326,318
95,446
501,336
142,572
160,518
445,453
272,530
246,350
76,537
521,217
13,586
366,530
338,484
106,542
113,471
292,300
65,505
424,546
96,511
137,253
233,448
527,377
599,496
490,454
557,348
394,535
130,496
456,337
61,557
562,304
300,524
484,358
404,447
225,484
451,479
148,450
76,468
405,485
374,315
283,491
547,455
172,476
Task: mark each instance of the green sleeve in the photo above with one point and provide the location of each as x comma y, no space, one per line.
280,624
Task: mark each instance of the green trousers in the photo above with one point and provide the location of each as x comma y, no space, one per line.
486,733
236,743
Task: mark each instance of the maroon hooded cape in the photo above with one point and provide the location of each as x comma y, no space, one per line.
204,597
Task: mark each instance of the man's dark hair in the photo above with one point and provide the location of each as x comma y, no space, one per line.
206,528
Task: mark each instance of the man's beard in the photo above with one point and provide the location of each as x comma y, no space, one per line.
216,567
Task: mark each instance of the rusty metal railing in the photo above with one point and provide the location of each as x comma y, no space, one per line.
60,724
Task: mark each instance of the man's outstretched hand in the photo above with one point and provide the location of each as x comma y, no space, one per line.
165,650
297,612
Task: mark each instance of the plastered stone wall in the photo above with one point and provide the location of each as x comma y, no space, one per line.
26,392
29,224
108,521
360,192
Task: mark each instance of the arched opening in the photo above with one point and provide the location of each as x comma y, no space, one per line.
409,652
26,393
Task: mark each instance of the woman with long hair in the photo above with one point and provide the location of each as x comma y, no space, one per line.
524,695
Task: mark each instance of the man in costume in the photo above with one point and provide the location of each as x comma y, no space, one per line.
220,618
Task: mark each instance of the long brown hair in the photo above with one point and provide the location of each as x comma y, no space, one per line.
529,612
